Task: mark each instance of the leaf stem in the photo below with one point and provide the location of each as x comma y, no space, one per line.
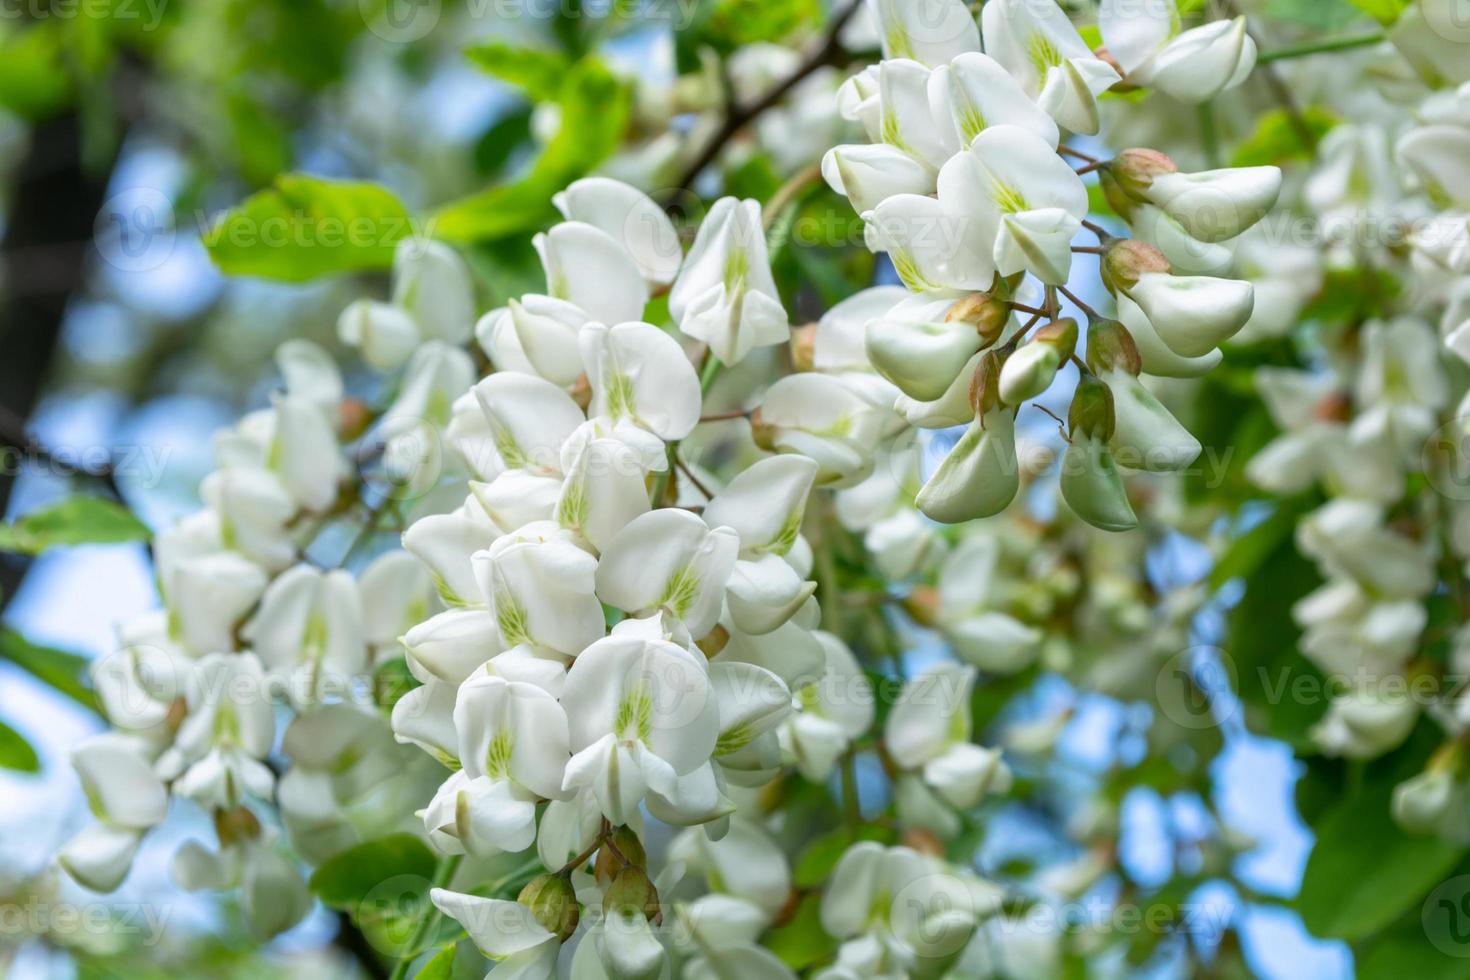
1320,47
429,918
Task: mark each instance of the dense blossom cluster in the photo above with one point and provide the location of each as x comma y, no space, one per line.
601,635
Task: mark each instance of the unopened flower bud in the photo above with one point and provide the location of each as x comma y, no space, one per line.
715,641
1110,347
985,383
1092,412
1126,260
1420,804
1133,171
553,901
1030,370
982,311
235,826
582,391
621,850
353,417
804,347
631,892
763,434
923,604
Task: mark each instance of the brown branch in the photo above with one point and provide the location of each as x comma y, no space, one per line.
740,116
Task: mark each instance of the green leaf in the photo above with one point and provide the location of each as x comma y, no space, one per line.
1386,12
74,521
1364,872
306,227
15,752
61,671
594,113
34,81
803,942
538,71
350,878
441,967
1276,140
1324,15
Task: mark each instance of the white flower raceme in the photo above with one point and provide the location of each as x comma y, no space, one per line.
1193,66
1191,315
725,294
641,714
928,731
1401,385
1037,44
433,299
535,335
641,375
273,895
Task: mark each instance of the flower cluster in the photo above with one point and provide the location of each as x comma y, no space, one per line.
966,187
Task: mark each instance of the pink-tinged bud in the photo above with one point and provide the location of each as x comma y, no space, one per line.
1126,260
804,347
985,383
1126,178
1092,412
763,434
1110,347
553,902
353,416
982,311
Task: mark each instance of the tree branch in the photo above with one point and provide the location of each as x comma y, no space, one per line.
740,116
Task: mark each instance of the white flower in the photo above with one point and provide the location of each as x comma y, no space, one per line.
451,645
535,335
836,708
1401,384
432,284
975,92
436,375
255,514
309,630
640,714
818,416
869,175
930,31
1037,44
641,374
725,295
397,592
1193,66
230,727
929,730
530,419
1216,205
540,589
506,932
126,798
588,268
1192,315
1365,722
384,334
1008,204
631,218
669,561
445,543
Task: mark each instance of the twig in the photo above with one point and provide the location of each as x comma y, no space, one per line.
725,416
1097,165
1077,302
1086,157
689,475
1102,233
740,116
1320,47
